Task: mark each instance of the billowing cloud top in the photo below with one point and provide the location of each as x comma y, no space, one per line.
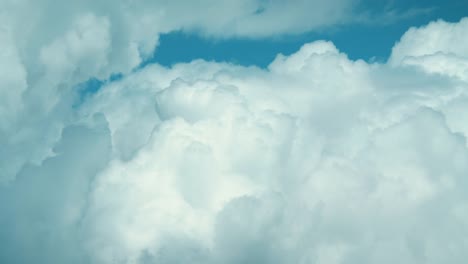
315,159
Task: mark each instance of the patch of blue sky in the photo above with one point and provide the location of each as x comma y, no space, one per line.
88,88
370,40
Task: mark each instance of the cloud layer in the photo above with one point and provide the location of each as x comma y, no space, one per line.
316,159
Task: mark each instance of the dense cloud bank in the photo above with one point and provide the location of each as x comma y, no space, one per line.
316,159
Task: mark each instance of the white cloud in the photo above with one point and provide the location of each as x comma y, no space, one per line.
53,46
316,159
12,77
435,38
437,48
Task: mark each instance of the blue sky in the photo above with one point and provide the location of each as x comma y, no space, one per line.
370,40
367,40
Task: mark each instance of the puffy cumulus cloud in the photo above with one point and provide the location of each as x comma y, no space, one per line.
438,47
43,208
316,159
50,47
436,37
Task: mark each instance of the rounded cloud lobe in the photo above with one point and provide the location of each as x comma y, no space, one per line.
316,159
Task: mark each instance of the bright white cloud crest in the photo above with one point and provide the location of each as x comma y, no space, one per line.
316,159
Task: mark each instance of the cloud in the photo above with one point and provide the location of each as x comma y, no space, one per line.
43,207
438,37
316,159
61,45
